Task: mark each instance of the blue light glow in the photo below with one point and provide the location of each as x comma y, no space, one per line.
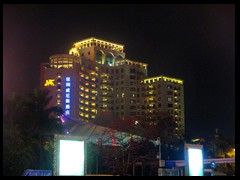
68,95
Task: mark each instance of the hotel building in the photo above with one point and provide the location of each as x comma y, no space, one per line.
96,77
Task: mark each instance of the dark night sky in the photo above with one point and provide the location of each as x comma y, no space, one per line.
195,43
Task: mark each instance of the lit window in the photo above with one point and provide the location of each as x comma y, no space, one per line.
169,99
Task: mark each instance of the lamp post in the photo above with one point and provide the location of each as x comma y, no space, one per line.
158,142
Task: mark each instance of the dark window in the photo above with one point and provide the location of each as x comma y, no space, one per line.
170,93
132,83
132,77
132,70
99,57
109,60
133,107
169,86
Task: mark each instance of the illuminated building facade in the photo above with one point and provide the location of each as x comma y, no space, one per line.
96,77
163,94
60,78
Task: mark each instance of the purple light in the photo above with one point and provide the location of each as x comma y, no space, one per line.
62,118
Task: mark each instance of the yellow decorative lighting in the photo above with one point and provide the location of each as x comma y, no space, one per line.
94,42
163,78
49,82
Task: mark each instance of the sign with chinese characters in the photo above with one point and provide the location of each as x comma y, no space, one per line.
67,95
49,82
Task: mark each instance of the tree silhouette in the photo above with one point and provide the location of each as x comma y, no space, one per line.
27,118
220,147
132,139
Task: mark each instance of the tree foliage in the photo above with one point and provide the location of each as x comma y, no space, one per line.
132,139
220,147
17,153
120,150
29,125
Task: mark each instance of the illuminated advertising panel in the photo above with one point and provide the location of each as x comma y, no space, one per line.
194,160
67,95
69,155
49,82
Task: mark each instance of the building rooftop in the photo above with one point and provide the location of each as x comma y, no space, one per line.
163,78
92,41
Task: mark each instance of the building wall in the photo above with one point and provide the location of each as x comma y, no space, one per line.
103,80
163,94
53,77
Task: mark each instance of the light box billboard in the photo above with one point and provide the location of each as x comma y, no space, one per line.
194,160
69,155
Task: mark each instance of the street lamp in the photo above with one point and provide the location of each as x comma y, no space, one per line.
158,142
